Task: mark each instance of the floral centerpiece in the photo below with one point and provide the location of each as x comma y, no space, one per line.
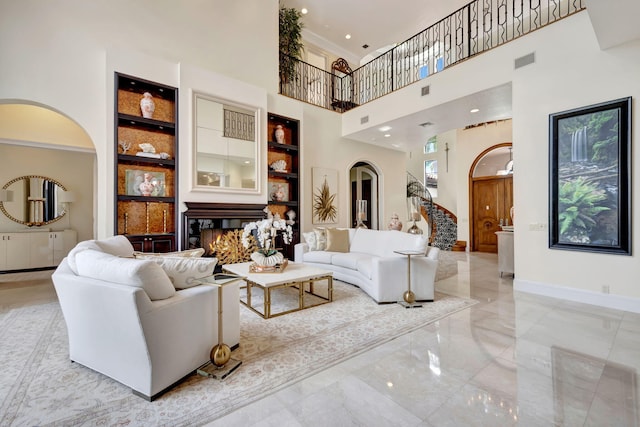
266,231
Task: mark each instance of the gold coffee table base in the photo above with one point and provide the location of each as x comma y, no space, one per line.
297,275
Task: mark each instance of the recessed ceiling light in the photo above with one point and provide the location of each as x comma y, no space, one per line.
348,36
384,128
304,11
246,162
395,145
474,110
387,135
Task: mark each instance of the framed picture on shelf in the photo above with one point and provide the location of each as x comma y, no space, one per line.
278,191
590,173
144,183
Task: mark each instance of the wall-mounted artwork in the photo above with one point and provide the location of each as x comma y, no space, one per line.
325,196
590,173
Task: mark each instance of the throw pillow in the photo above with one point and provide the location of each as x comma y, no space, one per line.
184,272
311,240
116,245
138,273
337,240
189,253
82,246
321,238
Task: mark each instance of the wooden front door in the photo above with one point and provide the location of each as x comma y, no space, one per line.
492,199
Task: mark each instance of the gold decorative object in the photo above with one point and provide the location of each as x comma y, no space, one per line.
147,216
230,250
126,222
220,354
164,221
278,268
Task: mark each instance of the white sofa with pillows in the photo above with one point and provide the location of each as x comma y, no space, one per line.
142,319
366,258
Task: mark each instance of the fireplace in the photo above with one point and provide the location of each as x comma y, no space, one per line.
206,224
211,226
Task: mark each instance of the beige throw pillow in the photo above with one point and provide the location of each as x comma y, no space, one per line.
337,240
184,272
189,253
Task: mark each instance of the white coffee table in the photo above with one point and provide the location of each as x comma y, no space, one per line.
296,275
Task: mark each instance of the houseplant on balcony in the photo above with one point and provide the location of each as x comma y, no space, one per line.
290,43
266,231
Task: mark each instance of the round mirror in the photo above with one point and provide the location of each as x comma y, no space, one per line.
32,200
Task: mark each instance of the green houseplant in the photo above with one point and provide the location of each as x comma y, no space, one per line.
290,43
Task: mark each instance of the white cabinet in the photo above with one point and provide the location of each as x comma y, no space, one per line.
14,251
60,243
34,249
505,252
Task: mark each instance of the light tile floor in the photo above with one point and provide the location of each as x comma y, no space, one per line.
512,359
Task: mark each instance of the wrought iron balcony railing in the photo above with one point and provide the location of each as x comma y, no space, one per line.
473,29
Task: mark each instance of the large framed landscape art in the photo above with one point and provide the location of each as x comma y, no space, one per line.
590,178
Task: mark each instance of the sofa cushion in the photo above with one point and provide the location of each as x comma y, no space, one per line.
81,246
337,240
365,267
116,245
144,274
399,241
189,253
311,240
349,260
184,272
368,241
321,257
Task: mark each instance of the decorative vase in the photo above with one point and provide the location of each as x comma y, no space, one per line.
279,134
263,260
395,223
147,106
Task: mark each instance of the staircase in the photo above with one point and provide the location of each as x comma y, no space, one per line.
443,224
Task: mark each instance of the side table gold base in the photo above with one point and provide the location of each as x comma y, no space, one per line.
219,372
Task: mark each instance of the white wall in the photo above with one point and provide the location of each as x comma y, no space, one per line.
63,54
19,160
322,146
559,81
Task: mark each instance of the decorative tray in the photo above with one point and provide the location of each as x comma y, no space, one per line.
278,268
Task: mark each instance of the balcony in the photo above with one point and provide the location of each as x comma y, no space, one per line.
475,28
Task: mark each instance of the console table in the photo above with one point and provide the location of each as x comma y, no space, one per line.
505,252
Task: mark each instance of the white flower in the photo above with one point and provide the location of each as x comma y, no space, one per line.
266,230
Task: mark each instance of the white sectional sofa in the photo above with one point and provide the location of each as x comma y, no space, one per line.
143,322
368,261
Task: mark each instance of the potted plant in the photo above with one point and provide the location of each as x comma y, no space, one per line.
290,44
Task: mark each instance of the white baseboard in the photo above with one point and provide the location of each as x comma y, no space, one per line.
578,295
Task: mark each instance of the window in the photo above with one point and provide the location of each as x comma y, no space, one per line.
431,146
431,176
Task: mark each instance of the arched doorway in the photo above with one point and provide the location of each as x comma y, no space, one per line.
490,196
364,186
41,140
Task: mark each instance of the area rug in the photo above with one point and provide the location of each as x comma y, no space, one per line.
40,386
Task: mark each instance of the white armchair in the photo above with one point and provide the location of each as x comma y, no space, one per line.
143,335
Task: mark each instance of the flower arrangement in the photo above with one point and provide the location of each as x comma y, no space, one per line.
266,230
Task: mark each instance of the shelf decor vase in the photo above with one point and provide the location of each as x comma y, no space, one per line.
279,134
147,106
